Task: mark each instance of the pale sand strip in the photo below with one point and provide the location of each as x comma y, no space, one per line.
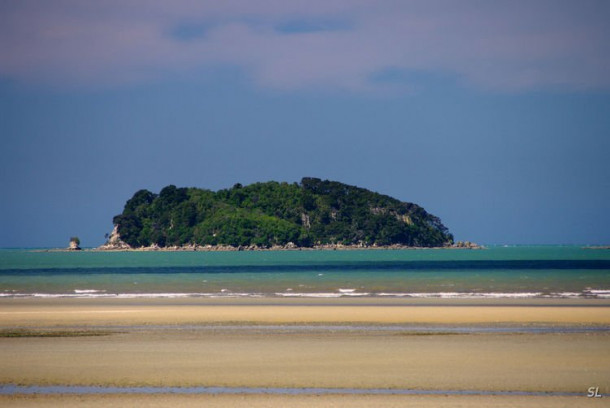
264,401
70,312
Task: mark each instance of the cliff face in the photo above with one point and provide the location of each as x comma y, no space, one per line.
310,213
114,241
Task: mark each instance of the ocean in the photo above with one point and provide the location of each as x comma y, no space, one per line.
495,272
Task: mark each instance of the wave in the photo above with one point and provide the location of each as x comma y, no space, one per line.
347,290
600,293
340,293
127,295
464,295
83,291
321,295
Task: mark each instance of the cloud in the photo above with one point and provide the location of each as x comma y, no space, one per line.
290,45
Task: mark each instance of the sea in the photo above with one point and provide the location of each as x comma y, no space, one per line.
493,272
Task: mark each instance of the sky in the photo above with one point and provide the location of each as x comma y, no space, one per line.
492,115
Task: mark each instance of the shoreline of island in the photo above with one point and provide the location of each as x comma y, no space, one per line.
121,247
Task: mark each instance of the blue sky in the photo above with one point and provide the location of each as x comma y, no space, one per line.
494,116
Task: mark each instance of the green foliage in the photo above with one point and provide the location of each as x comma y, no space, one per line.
76,240
265,214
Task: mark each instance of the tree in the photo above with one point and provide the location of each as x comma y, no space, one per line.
264,214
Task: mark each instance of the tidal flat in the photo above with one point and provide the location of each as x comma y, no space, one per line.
552,349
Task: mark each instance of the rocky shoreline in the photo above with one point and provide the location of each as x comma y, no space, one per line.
116,244
288,247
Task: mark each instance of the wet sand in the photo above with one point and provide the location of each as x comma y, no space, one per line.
265,401
202,342
251,358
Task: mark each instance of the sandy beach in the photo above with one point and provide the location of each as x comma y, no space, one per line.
44,312
287,343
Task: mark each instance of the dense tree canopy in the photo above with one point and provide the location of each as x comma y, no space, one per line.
314,212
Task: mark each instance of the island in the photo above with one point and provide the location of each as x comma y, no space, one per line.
314,213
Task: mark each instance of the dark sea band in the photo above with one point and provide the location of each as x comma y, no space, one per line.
559,264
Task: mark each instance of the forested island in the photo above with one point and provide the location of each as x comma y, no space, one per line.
311,214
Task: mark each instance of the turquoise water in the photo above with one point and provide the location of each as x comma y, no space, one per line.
540,271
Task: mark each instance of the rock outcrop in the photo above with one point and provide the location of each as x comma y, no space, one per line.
74,244
466,245
114,243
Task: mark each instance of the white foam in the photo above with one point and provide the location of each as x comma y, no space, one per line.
65,295
510,295
601,293
394,294
128,295
313,295
343,292
83,291
155,295
569,295
321,294
463,295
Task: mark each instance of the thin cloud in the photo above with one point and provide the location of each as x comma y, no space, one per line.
502,46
